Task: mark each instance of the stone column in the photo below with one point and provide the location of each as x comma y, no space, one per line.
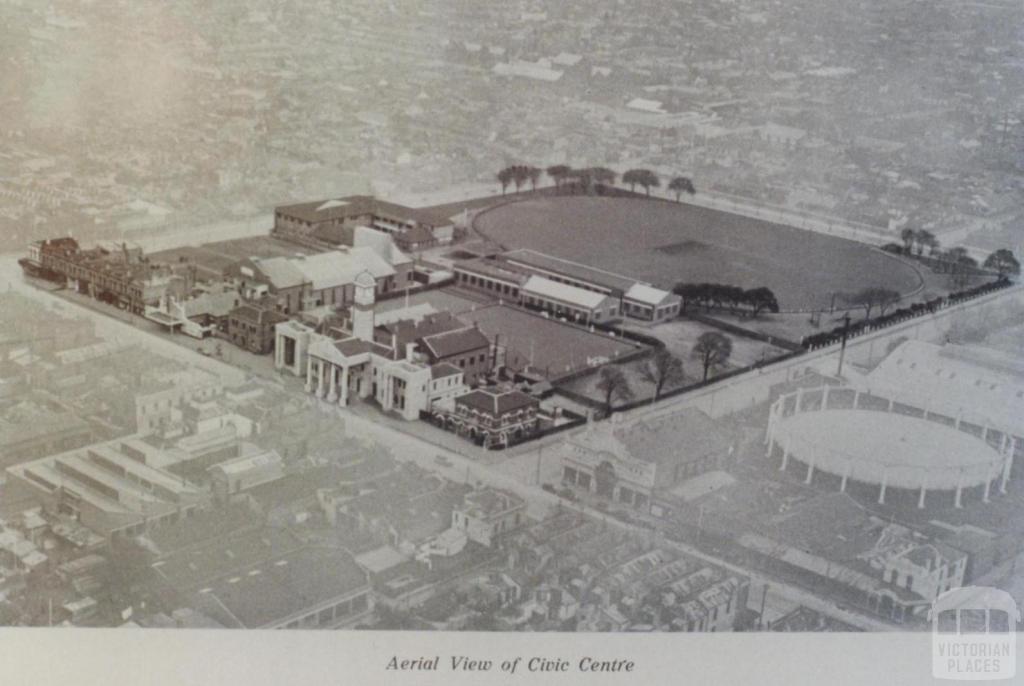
332,394
320,390
343,382
920,501
846,475
799,400
810,471
959,490
881,492
988,486
856,400
785,457
309,375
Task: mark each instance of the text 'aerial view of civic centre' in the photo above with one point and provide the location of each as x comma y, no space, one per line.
652,350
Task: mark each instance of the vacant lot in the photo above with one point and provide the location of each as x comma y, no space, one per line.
665,242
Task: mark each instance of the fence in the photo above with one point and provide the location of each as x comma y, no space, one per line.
746,333
821,340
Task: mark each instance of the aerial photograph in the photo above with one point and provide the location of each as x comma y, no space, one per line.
520,316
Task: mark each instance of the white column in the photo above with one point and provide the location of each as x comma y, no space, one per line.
988,486
846,475
785,458
856,400
320,378
890,404
799,400
309,375
959,490
343,381
824,397
881,492
920,501
1008,464
332,394
810,471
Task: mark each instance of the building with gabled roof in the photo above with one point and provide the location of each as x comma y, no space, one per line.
630,462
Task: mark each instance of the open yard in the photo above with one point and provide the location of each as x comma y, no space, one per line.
549,347
665,242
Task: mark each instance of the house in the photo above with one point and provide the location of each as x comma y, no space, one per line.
251,326
468,349
488,513
306,282
246,472
629,463
492,417
332,223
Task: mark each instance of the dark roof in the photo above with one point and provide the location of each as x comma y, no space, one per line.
359,205
408,330
496,403
443,369
544,263
415,235
493,269
271,592
456,342
256,314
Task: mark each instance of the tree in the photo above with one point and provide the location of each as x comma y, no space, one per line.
614,385
926,239
712,349
680,185
1003,263
505,177
662,368
603,176
558,173
908,235
761,299
520,175
583,178
533,174
641,177
690,294
870,298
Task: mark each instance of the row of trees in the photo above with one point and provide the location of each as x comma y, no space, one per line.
887,317
662,368
587,178
956,261
733,298
916,240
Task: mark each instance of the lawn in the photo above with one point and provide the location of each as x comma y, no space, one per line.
665,242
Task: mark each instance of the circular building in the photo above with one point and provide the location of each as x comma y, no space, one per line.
885,443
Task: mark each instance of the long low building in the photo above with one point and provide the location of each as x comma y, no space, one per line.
506,275
571,302
109,487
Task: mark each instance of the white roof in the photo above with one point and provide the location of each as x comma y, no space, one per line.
381,243
645,105
546,288
268,459
983,385
527,69
567,59
337,268
649,295
416,313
